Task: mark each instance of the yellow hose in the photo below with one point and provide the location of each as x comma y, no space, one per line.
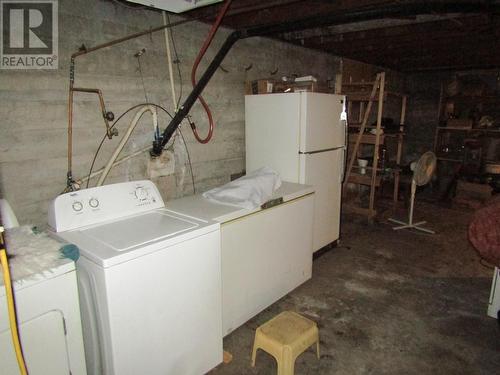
10,306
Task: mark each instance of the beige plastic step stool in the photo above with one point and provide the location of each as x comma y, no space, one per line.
285,337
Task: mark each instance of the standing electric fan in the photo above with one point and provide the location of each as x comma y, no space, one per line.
422,173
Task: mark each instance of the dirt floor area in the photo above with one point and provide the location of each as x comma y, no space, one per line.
390,302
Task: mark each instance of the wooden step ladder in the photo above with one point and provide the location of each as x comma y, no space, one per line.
371,180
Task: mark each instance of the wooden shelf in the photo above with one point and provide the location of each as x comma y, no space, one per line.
366,84
356,125
369,168
489,98
351,208
394,135
469,129
363,179
369,139
361,97
449,159
364,96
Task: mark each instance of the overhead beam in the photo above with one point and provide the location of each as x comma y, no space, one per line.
441,42
398,32
248,13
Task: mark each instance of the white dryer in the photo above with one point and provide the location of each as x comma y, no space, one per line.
149,280
49,323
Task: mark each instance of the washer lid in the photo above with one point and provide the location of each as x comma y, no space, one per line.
138,230
117,241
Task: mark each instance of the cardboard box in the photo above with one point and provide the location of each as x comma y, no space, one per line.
259,86
307,86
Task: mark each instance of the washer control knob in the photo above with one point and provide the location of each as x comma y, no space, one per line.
93,202
141,193
77,206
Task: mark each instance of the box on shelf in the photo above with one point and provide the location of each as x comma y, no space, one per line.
267,86
305,86
259,86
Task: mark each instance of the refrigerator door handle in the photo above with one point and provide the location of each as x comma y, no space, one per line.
318,151
344,155
343,120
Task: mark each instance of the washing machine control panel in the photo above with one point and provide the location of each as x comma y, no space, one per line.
109,202
141,193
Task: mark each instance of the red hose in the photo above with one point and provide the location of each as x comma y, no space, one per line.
203,49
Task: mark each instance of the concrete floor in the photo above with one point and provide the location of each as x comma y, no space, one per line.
390,303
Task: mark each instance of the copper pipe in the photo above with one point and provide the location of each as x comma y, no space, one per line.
109,131
69,176
237,11
83,50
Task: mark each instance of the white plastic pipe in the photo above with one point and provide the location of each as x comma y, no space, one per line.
125,138
117,162
169,59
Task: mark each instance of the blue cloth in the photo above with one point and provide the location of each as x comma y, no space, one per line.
70,251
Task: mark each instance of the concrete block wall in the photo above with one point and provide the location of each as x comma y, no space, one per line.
33,104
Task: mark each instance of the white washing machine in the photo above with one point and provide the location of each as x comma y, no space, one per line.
49,323
149,281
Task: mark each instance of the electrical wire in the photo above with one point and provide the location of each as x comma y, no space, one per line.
119,118
177,63
203,49
142,78
113,125
11,307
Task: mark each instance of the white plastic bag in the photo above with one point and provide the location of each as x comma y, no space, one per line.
249,191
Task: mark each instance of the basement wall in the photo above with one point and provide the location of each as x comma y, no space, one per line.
33,104
423,112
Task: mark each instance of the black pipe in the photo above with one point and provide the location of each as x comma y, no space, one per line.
389,11
183,111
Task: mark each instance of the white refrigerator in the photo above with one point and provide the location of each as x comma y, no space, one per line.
303,137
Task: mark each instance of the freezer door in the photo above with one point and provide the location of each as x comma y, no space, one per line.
321,124
324,171
272,133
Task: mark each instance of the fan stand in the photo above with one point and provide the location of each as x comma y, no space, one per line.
410,224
